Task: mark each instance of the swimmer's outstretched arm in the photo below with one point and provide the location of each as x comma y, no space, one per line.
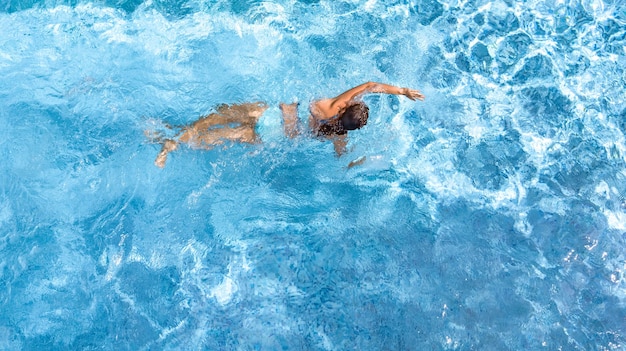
344,99
390,89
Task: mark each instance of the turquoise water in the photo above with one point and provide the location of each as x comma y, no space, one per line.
489,217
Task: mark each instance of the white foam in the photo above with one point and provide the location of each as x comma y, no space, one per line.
536,146
324,340
616,219
113,257
224,292
6,213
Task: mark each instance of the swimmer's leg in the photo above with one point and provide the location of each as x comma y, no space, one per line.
290,119
218,136
168,146
230,123
215,129
246,113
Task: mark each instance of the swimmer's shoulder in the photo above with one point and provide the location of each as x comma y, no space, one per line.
322,109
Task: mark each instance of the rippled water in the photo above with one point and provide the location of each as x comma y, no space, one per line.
490,217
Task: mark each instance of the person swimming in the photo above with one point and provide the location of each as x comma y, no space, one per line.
330,118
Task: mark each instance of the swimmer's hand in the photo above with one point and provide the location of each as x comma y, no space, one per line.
359,161
413,94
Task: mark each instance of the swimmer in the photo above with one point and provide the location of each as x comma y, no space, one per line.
330,118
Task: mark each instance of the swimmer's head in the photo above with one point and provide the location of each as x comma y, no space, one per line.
355,116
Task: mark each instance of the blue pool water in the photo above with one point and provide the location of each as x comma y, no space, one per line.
489,217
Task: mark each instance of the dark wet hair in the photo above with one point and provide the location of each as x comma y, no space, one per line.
354,117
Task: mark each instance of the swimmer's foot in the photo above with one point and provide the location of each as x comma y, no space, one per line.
168,145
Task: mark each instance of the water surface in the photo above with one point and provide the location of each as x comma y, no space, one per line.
489,217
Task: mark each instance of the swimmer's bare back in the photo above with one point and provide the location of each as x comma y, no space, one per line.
235,123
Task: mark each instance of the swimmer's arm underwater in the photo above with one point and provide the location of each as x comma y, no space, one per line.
290,119
340,143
